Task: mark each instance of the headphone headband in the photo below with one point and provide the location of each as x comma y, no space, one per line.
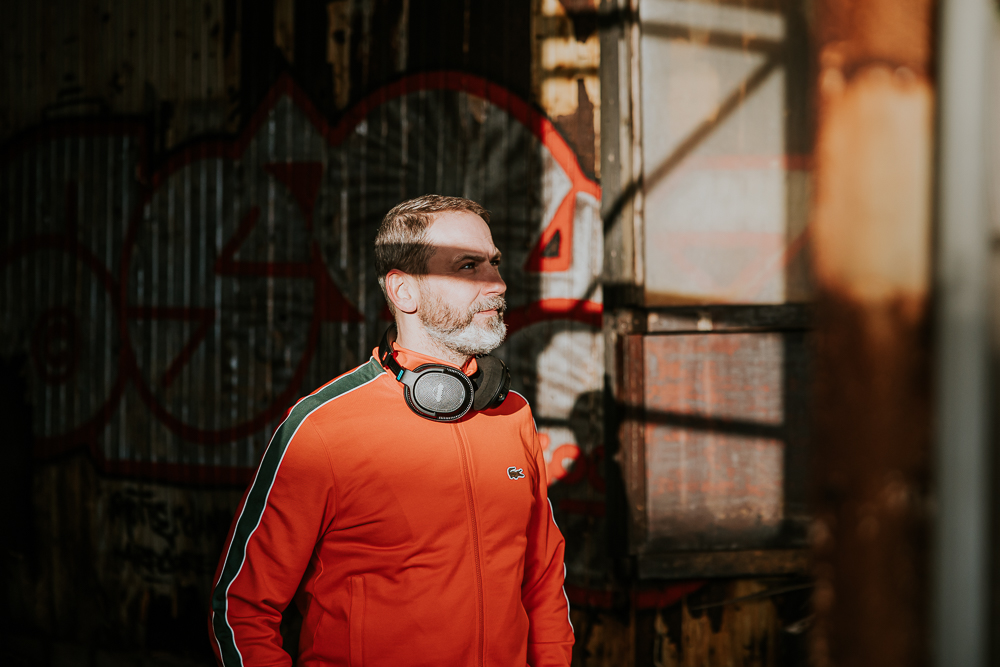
386,357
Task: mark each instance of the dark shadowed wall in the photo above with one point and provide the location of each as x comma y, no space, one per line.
190,192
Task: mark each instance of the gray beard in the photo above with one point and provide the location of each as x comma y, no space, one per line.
458,332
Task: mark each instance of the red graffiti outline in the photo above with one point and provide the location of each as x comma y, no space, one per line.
226,265
562,224
590,313
88,432
125,126
543,129
303,180
587,312
203,317
51,322
327,306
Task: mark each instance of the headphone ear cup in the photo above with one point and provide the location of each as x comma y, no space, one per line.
492,383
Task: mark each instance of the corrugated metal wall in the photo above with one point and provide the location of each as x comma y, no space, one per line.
190,195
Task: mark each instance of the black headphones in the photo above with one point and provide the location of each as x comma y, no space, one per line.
443,393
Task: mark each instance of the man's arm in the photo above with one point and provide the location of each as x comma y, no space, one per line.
550,633
287,508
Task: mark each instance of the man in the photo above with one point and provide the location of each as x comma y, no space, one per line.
407,536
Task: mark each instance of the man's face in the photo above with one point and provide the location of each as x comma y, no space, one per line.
461,295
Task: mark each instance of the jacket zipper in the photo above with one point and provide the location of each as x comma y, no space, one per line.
467,469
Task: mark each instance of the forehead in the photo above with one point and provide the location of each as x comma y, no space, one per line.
460,230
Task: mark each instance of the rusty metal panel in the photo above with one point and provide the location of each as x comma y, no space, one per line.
566,54
872,253
630,394
724,440
725,152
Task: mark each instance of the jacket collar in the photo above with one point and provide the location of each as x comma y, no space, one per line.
409,359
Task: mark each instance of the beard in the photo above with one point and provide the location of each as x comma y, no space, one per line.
458,332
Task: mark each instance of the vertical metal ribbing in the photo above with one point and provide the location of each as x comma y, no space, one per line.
111,146
126,203
183,281
360,241
216,302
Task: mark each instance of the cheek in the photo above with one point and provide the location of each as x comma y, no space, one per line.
457,294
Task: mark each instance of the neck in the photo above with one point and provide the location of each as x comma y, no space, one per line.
413,337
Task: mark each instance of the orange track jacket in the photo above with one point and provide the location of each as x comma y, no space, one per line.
403,541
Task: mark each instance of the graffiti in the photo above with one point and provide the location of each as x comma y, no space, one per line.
60,301
164,538
208,300
55,345
157,563
172,311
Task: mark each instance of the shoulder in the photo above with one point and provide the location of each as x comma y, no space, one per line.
334,391
519,409
517,405
300,422
298,444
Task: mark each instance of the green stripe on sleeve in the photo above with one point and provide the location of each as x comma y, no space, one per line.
253,509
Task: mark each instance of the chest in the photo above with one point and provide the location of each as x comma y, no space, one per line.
424,480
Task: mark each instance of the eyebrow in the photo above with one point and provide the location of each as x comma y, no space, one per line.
476,257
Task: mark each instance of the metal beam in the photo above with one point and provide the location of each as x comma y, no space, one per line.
871,251
961,581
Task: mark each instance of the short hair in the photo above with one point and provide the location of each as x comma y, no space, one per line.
400,240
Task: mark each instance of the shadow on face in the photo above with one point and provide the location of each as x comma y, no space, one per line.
466,263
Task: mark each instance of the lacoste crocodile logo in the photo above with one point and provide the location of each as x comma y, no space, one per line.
515,473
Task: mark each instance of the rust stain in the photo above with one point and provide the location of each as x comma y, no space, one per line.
566,54
871,250
744,634
603,641
872,437
871,226
897,32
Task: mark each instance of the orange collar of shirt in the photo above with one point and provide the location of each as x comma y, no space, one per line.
409,359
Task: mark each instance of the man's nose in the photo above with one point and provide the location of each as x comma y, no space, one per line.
495,284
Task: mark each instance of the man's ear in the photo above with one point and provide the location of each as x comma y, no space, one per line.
402,291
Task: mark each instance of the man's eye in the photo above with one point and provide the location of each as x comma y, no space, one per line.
495,262
469,265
